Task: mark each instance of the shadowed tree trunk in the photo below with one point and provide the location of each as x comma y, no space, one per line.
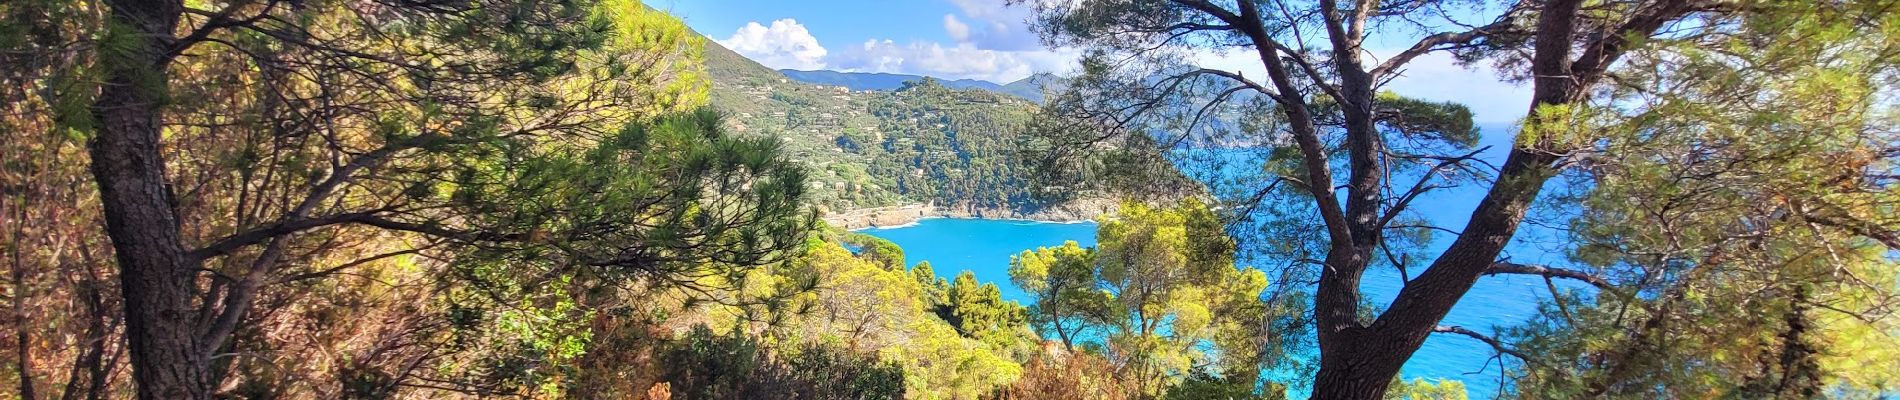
154,271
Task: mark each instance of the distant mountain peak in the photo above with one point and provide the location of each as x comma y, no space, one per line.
1040,77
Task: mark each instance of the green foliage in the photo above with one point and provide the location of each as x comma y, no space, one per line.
661,59
1202,385
877,250
545,161
1160,291
867,307
1420,119
1415,121
331,139
978,310
1733,194
40,68
1421,389
1062,282
549,164
1748,202
935,287
637,203
579,217
703,365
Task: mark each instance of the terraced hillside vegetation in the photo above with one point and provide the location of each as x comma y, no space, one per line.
921,144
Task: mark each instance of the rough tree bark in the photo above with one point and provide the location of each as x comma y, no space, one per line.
155,275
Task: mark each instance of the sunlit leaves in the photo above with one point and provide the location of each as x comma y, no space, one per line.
1741,194
953,340
1421,389
1157,294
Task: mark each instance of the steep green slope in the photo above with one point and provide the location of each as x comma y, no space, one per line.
922,143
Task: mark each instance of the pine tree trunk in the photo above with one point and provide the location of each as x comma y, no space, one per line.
1365,366
1345,384
155,275
1359,363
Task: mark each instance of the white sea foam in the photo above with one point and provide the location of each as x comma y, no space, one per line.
912,223
903,225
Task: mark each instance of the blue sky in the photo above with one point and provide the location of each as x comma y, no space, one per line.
837,23
980,39
984,39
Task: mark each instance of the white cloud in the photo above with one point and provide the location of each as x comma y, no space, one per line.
786,44
989,41
964,60
958,30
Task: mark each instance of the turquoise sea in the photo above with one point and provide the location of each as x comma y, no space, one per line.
984,246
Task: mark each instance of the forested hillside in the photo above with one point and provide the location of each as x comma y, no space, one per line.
923,142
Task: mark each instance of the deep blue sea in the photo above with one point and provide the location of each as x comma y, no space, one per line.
984,246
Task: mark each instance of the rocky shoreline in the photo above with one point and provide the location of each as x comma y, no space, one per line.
1072,211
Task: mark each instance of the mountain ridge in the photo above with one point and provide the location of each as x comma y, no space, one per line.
1029,88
